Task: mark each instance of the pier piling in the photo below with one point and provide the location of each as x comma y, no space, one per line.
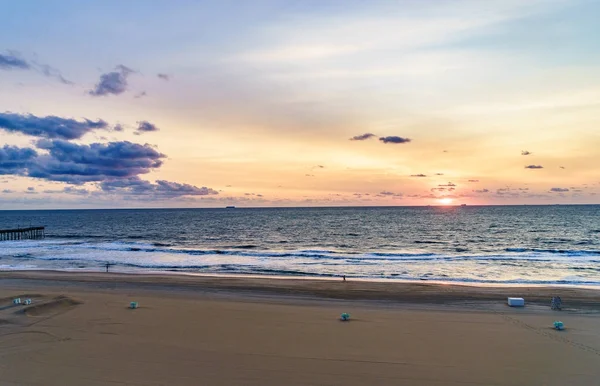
30,233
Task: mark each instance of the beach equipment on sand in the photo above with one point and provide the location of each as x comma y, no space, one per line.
17,301
345,317
556,303
559,325
133,305
27,302
516,302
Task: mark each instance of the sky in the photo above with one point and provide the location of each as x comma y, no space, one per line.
132,104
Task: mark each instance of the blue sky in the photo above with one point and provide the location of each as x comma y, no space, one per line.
256,95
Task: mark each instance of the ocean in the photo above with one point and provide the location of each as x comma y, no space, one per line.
473,244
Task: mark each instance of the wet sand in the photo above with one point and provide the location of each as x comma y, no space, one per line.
242,331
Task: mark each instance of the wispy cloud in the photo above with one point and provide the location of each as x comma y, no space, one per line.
362,137
418,175
534,167
525,152
164,77
13,61
559,190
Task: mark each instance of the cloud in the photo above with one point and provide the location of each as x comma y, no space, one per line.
140,95
77,164
114,83
31,189
145,127
418,175
7,191
118,127
439,174
389,194
166,77
309,175
473,180
559,190
481,191
161,189
394,139
70,190
534,167
562,167
449,184
48,127
362,137
525,152
53,73
15,160
10,62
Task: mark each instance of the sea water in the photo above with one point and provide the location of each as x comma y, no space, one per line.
473,244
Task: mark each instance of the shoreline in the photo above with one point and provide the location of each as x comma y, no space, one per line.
420,292
333,278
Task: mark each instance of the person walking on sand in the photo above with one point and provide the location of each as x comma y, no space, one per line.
344,277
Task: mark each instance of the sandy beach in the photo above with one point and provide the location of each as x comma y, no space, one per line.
246,331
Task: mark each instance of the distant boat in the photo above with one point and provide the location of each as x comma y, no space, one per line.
230,207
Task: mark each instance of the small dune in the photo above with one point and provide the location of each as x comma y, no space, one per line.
57,305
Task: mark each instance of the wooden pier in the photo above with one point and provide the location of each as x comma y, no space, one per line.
22,233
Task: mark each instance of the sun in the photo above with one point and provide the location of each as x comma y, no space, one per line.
445,201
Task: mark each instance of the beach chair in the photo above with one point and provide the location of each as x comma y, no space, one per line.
345,317
556,303
133,305
17,301
559,325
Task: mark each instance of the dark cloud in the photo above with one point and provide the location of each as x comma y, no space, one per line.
534,167
559,190
362,137
7,191
525,152
418,175
473,180
166,77
385,193
140,95
481,191
160,190
562,167
50,126
15,160
31,188
145,127
449,184
118,127
114,83
77,164
10,62
394,139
